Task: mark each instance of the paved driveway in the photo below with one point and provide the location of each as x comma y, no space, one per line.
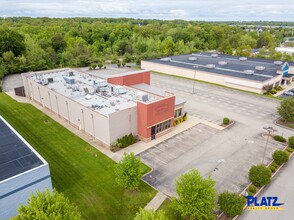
224,155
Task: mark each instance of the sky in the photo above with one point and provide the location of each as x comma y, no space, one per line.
204,10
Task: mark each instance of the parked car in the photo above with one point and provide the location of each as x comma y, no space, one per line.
289,93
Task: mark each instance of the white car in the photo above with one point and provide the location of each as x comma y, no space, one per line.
289,93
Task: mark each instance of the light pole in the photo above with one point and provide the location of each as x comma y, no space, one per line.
195,66
269,130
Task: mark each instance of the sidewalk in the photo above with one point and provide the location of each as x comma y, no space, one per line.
156,202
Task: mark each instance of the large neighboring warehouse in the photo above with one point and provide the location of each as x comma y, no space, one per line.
250,74
22,171
107,108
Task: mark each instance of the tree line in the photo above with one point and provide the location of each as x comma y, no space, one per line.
31,44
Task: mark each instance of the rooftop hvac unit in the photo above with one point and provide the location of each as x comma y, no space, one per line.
249,72
166,59
210,66
243,58
214,55
260,68
50,80
142,96
278,62
192,58
222,63
70,73
100,83
119,90
112,103
69,80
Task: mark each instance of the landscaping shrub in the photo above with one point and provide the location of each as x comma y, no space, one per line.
273,91
291,141
267,93
273,169
226,121
280,138
290,150
185,116
231,203
274,165
260,175
279,88
280,157
125,141
252,189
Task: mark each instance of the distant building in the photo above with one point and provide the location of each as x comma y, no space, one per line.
288,50
108,108
22,171
250,74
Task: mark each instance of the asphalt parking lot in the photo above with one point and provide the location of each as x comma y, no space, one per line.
226,155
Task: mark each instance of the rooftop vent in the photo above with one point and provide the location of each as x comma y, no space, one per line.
243,58
214,55
249,72
88,97
210,66
260,68
222,63
119,90
192,58
70,73
278,62
167,59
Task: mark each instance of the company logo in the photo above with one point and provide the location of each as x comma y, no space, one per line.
265,203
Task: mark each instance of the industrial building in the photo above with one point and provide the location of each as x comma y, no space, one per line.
250,74
22,171
108,108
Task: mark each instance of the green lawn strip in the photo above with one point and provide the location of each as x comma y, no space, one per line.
166,206
226,87
81,172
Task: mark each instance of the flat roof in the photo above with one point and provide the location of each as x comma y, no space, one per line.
150,89
232,65
16,156
91,91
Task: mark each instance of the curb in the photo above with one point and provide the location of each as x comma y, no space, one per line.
282,126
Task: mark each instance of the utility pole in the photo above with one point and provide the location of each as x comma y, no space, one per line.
269,131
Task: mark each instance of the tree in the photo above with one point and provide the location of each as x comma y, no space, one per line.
286,109
197,196
280,157
144,214
231,203
260,175
11,40
290,139
128,172
48,206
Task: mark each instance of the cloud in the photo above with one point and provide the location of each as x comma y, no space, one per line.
282,10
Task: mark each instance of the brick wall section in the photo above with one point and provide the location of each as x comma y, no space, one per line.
132,79
150,114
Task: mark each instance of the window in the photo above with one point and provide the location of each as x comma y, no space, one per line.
162,126
178,112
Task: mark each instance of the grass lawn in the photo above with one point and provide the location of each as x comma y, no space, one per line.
81,172
166,206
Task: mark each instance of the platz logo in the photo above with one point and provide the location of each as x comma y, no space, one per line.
265,203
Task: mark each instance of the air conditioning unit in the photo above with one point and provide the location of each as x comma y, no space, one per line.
167,59
222,63
278,62
210,66
243,58
249,72
192,58
214,55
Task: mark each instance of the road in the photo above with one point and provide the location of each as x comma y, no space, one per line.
281,186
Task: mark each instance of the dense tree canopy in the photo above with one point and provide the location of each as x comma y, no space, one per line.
41,43
286,109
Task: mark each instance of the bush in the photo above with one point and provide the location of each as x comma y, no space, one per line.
273,91
125,141
267,93
226,121
252,189
291,141
260,175
279,88
273,169
274,165
231,203
185,117
280,157
280,138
